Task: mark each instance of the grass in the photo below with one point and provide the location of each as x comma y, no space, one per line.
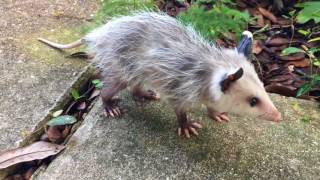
113,8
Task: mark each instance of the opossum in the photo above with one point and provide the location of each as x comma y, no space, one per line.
159,51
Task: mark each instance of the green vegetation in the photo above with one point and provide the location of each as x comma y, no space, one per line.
112,8
309,11
218,21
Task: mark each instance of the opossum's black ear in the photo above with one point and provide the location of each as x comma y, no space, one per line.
245,44
225,84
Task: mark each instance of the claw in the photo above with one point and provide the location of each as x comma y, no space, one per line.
110,113
197,125
194,131
179,132
186,132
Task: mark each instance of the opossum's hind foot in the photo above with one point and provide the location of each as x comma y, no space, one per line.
142,97
111,105
188,128
112,108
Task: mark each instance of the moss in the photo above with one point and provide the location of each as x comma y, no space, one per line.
38,51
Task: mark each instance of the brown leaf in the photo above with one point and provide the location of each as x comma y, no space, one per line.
268,14
257,47
281,89
278,48
54,134
272,67
82,106
277,41
66,131
281,78
94,94
29,173
292,57
37,150
301,63
260,20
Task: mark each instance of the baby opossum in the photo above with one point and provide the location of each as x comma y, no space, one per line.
159,51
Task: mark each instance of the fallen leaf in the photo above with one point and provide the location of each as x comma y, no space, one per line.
66,131
54,134
268,14
81,55
62,120
301,63
37,150
281,89
291,50
281,78
82,106
293,57
257,47
277,41
57,113
94,94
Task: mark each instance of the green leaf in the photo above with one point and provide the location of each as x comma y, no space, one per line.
316,63
303,32
291,50
62,120
304,88
97,83
309,11
306,119
314,39
316,78
75,94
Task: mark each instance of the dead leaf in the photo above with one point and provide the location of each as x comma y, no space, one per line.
257,47
94,94
260,20
66,131
277,41
82,106
280,78
301,63
281,89
37,150
292,57
278,48
54,134
268,14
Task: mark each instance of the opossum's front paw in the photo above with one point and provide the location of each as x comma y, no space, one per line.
220,117
112,108
142,97
189,128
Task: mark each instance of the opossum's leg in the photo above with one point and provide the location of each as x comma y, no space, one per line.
220,117
186,127
142,96
111,105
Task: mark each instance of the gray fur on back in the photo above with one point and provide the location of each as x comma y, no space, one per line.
157,50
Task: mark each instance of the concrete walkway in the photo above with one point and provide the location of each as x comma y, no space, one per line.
143,145
32,76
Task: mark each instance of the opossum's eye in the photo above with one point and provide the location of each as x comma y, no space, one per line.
253,101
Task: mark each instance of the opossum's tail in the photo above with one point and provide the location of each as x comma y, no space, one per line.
62,46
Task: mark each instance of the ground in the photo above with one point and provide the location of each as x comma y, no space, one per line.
142,144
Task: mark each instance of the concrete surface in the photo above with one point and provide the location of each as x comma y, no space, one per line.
33,76
143,145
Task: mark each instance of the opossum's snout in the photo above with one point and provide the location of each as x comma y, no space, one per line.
270,112
275,116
